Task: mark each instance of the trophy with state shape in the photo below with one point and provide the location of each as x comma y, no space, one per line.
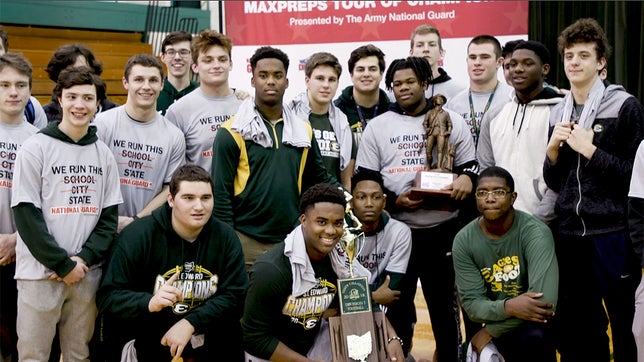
358,334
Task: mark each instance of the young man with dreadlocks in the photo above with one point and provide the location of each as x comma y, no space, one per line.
395,146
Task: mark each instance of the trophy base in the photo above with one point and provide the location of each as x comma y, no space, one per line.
357,325
432,183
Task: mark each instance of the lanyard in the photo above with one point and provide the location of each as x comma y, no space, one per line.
363,121
476,125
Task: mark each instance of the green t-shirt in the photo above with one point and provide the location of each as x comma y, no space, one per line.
327,142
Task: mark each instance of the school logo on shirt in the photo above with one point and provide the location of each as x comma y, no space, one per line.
503,276
195,282
327,142
307,309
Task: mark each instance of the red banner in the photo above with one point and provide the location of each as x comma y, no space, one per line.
310,22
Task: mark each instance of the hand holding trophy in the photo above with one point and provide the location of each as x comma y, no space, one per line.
357,332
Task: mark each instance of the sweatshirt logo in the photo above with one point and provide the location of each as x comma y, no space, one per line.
307,309
195,282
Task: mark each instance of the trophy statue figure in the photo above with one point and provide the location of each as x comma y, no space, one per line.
358,331
438,127
353,238
437,175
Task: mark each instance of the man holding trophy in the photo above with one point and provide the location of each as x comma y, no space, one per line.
293,286
395,146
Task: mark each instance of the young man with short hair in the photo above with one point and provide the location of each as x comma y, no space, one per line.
15,88
293,285
33,112
516,138
148,148
200,114
330,127
364,100
485,92
176,279
65,205
507,274
589,161
71,55
506,53
426,42
386,250
265,157
402,129
176,54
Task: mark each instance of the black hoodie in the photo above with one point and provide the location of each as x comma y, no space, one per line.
213,279
348,106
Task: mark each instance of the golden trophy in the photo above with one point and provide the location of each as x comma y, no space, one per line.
358,334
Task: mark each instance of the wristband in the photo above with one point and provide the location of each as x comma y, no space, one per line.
135,217
395,338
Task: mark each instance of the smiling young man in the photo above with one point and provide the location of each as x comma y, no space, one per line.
485,92
265,156
148,148
200,113
364,100
176,280
65,205
394,145
426,42
516,138
330,127
71,55
507,273
590,158
176,54
293,286
15,89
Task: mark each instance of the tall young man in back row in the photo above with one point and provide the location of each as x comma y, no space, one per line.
364,100
590,158
148,148
426,42
176,54
485,92
200,114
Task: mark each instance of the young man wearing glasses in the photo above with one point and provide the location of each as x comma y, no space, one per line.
507,273
175,53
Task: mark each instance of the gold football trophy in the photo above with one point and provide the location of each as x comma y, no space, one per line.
358,334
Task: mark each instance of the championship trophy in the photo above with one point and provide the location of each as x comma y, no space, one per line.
358,334
438,175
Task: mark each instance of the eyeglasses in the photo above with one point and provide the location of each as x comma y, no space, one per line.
182,52
497,194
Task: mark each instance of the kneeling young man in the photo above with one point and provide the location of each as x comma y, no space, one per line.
507,273
177,278
293,285
386,250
